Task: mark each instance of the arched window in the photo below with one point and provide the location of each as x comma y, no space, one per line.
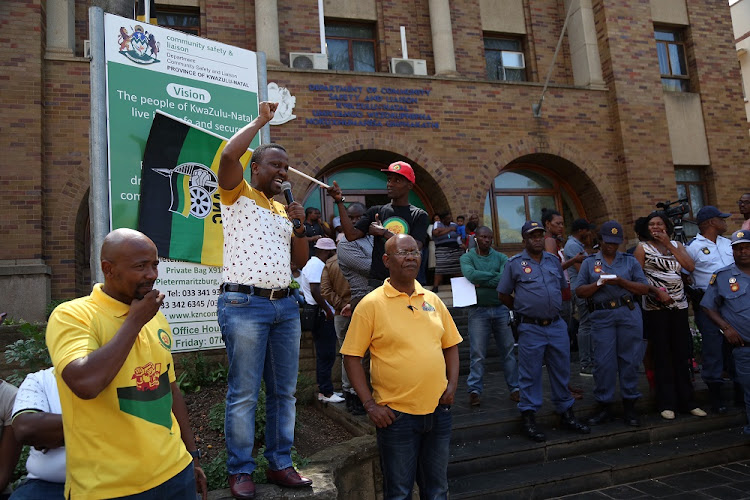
518,195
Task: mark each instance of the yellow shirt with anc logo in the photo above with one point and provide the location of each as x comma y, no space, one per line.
126,440
406,336
257,238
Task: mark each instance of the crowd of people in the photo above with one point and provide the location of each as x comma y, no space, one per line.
108,420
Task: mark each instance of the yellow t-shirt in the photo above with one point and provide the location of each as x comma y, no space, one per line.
126,440
257,238
406,336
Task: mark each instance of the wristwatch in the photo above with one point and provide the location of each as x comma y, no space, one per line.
196,454
342,200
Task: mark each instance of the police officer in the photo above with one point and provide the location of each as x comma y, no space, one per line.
727,304
710,251
609,280
535,278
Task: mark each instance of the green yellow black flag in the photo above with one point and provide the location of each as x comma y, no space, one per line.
180,208
141,14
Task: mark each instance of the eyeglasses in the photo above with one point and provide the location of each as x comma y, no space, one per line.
743,202
403,253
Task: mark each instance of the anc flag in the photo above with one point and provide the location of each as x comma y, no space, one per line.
180,206
151,398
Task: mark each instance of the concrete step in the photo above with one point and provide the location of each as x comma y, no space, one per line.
551,476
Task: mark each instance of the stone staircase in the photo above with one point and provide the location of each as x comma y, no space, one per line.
491,459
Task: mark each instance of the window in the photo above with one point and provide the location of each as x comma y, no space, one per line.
504,59
670,47
185,19
692,187
519,195
351,47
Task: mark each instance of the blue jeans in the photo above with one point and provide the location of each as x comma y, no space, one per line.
485,323
324,337
262,338
416,447
180,487
33,489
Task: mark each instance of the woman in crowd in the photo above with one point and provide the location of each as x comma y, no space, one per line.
666,324
448,249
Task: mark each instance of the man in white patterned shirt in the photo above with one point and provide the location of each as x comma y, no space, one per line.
258,315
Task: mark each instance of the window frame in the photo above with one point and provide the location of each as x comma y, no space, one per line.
559,186
700,183
679,34
181,10
374,41
507,38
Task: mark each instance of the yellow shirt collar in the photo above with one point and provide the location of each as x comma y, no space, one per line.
392,292
114,306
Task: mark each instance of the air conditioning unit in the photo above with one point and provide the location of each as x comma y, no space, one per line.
408,66
302,60
512,59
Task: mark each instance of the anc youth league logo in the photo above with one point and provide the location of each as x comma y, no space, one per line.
192,185
139,46
164,339
396,225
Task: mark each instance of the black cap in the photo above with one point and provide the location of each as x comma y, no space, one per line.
709,212
580,224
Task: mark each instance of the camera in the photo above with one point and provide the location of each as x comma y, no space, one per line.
674,210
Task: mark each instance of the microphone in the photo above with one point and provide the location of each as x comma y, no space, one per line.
411,308
286,186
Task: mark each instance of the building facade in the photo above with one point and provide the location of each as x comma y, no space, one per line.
644,102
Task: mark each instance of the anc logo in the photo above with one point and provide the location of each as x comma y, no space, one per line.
192,186
165,339
139,46
147,377
397,225
427,307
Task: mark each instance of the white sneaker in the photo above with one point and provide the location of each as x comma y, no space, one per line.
697,412
667,415
339,394
333,398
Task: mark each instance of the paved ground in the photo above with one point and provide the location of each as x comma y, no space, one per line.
726,482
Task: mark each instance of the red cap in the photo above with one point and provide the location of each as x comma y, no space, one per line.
403,168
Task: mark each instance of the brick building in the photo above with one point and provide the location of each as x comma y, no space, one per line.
644,101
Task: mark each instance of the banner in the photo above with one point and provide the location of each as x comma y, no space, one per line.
205,83
180,206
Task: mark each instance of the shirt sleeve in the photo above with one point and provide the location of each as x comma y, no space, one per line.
711,299
361,328
584,274
451,336
506,280
31,396
7,396
230,196
636,272
69,337
419,228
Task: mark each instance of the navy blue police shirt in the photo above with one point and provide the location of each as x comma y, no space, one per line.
537,286
624,265
728,293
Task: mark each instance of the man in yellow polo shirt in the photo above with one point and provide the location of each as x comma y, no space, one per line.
125,423
413,345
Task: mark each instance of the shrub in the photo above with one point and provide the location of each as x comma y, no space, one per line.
30,352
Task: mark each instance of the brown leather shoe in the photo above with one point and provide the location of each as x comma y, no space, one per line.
515,396
474,399
242,486
288,477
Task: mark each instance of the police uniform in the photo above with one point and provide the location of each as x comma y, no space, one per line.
542,333
709,257
728,293
616,326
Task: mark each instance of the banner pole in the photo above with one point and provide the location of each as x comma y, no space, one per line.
98,171
265,132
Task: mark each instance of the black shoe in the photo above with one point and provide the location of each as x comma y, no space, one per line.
602,416
739,395
348,399
630,417
529,429
568,421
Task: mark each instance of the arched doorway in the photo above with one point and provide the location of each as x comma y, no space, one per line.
361,180
519,193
